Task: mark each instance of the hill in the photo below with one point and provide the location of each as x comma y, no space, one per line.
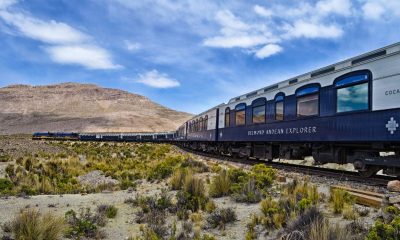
81,108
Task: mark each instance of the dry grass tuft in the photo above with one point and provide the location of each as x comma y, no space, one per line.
30,224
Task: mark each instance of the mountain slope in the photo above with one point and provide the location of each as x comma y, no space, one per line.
81,108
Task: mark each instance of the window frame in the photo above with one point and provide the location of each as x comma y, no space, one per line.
318,92
258,103
227,112
206,123
352,74
240,105
281,94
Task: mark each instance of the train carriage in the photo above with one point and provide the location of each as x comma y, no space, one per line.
345,112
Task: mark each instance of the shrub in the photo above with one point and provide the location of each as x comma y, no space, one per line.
304,220
273,215
192,196
339,199
109,211
164,168
220,217
30,224
263,175
210,206
251,232
321,230
220,185
84,224
196,166
349,213
5,158
5,185
303,204
387,231
177,179
249,193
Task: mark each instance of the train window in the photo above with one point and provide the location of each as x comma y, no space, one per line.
197,125
258,108
240,114
201,124
206,123
227,117
279,107
308,101
352,92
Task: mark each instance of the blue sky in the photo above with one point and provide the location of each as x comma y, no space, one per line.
187,55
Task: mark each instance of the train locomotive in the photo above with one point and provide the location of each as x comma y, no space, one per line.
348,112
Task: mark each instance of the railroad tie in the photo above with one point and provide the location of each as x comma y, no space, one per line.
362,197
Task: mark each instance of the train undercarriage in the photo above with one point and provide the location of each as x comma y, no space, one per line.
367,159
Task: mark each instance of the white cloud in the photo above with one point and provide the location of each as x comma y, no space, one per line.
268,50
339,7
235,41
6,3
157,80
381,9
236,33
262,11
132,46
64,44
49,32
313,30
89,56
373,10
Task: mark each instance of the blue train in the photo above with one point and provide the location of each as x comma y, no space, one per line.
348,112
55,136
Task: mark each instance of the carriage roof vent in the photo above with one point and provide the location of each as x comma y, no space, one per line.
368,57
323,71
271,88
293,81
251,94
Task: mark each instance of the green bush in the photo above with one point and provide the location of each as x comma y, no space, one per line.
30,224
304,204
5,185
109,211
220,185
164,168
263,175
385,231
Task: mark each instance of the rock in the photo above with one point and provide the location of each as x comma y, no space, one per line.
394,186
95,179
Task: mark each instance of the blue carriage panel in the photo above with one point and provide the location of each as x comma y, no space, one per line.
248,115
290,108
270,111
327,101
382,126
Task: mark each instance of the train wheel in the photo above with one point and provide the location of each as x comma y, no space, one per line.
369,171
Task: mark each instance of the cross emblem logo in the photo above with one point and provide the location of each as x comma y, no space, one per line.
392,125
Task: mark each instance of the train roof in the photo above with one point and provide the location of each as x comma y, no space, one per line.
354,61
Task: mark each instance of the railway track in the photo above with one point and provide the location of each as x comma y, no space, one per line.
340,175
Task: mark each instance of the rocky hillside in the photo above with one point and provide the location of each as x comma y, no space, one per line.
81,108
